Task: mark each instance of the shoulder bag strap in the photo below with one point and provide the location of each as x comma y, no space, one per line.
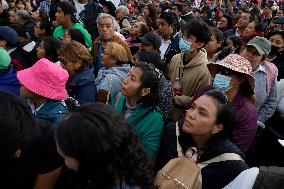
179,149
118,97
110,88
222,157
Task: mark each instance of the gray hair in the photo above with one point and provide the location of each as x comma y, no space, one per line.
105,15
123,9
23,14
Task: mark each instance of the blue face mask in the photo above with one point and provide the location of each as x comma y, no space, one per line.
222,82
184,46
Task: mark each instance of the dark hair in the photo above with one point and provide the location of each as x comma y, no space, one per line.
42,15
225,116
106,147
218,34
51,45
229,21
258,26
152,11
170,18
17,122
153,58
281,33
252,16
77,35
68,9
150,79
198,29
179,7
46,26
237,43
144,29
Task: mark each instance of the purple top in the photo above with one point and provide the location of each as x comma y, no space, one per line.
245,119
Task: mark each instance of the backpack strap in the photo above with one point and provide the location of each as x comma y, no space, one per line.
222,157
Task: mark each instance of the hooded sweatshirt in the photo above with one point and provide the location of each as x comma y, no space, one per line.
192,75
115,76
9,81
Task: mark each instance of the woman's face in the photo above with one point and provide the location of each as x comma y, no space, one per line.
131,84
201,117
36,16
213,45
250,29
135,29
223,23
66,38
146,11
277,41
252,55
70,65
40,51
38,32
70,162
26,93
107,59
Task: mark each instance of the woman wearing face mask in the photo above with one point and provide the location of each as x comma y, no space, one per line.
232,76
138,102
276,54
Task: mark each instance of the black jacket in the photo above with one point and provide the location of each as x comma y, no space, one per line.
215,175
172,49
269,177
278,61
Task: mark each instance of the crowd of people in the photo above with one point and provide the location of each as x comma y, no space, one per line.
110,93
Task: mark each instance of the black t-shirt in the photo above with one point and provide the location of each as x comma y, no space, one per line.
40,158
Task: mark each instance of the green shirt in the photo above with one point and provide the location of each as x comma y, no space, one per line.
60,31
149,130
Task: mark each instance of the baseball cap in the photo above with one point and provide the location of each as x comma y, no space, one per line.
9,34
262,45
151,38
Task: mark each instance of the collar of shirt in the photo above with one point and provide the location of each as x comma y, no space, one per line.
11,50
261,68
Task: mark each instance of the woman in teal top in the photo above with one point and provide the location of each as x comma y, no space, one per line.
138,102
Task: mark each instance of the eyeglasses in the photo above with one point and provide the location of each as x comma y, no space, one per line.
64,62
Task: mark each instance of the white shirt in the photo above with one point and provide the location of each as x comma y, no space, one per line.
245,180
80,10
164,46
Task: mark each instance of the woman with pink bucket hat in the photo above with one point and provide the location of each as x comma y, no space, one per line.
43,85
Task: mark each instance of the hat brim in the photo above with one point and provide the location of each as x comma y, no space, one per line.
145,41
259,50
28,79
213,69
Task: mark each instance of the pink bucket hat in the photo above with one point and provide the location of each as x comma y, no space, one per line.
236,63
45,79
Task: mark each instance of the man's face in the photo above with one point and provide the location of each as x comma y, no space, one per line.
165,30
60,16
176,11
106,29
243,21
